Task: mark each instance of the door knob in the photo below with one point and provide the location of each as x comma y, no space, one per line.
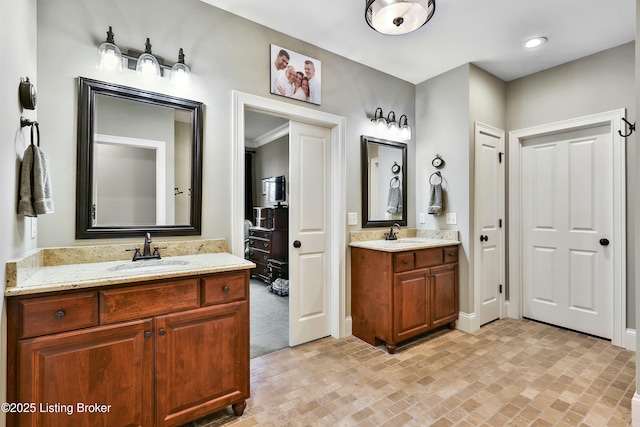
296,243
604,242
484,238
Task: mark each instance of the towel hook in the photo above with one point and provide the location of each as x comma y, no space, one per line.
439,175
26,122
632,128
395,178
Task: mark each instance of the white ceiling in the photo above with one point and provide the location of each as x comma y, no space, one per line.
487,33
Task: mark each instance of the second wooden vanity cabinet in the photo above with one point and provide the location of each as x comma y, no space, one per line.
398,295
160,353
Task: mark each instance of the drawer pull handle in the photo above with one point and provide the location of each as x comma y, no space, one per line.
147,334
161,332
225,289
59,314
266,244
405,261
452,254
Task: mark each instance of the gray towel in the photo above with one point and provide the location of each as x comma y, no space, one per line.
35,185
435,200
394,201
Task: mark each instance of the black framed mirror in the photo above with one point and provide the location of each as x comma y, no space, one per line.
384,184
139,165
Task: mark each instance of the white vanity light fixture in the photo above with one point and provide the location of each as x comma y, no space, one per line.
147,65
405,129
180,73
392,124
535,42
109,55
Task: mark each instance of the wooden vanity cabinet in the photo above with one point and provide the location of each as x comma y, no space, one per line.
161,353
398,295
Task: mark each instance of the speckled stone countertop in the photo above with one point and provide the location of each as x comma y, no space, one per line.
57,269
416,239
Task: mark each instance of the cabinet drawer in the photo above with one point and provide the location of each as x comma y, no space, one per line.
260,256
223,288
450,254
263,234
429,257
403,261
48,315
137,302
260,244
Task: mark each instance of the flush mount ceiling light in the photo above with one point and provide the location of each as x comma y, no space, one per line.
535,42
396,17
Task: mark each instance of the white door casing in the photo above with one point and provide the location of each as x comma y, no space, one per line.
309,225
582,156
340,325
489,270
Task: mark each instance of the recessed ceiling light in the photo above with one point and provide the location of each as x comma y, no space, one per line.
535,42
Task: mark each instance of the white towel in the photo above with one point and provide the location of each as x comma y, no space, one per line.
435,200
394,200
35,182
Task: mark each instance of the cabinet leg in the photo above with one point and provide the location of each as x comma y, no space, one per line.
238,408
452,325
391,348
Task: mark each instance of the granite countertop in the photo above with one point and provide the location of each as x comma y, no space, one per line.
404,244
31,275
408,239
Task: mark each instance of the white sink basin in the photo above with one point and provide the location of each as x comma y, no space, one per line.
149,265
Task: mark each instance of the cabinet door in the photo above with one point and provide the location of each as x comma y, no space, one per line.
444,294
411,304
110,366
202,361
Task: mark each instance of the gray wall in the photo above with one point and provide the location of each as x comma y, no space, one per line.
594,84
225,53
18,53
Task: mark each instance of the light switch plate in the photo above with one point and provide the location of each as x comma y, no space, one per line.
352,218
452,218
423,218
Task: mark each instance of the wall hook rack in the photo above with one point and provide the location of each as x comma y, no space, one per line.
632,128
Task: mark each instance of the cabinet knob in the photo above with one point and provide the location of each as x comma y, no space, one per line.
405,261
265,244
147,334
59,314
225,289
161,332
452,254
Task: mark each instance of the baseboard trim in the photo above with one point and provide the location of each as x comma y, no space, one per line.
348,326
466,322
635,410
630,339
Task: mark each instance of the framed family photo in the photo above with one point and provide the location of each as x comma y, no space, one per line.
295,76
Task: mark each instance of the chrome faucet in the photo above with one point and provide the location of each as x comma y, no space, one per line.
146,250
391,235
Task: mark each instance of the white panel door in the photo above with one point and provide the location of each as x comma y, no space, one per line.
567,220
489,213
309,232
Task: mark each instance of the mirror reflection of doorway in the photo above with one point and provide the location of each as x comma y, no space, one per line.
266,224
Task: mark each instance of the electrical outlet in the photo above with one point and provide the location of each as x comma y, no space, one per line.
423,218
452,218
34,227
352,218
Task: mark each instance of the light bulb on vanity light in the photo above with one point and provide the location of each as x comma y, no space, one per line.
109,55
405,129
180,73
394,129
147,65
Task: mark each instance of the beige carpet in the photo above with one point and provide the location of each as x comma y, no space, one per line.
269,315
